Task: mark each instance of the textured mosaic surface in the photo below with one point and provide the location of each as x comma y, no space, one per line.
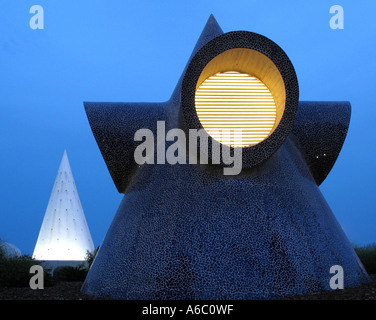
320,129
188,232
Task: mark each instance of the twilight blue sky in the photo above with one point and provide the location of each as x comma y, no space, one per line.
93,50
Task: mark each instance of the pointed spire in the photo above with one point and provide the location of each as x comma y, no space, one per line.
64,234
210,31
64,163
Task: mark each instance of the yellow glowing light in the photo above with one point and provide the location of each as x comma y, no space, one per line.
230,101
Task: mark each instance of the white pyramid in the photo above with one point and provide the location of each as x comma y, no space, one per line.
64,234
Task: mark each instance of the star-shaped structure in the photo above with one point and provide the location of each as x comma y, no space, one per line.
186,231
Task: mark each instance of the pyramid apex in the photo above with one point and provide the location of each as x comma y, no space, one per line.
212,19
64,164
65,154
210,31
64,234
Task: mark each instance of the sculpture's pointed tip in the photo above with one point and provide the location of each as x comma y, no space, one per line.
212,23
211,30
212,18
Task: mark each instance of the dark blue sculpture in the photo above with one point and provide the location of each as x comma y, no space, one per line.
187,231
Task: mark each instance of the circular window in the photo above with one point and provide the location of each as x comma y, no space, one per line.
242,90
235,108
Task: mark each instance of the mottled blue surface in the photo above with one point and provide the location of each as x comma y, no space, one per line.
184,233
189,232
320,129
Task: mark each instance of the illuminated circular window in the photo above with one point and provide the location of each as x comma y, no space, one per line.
236,108
215,100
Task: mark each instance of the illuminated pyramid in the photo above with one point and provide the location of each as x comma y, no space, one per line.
64,234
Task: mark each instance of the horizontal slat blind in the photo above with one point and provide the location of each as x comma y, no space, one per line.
230,101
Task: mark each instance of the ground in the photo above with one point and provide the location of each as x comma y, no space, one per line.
71,291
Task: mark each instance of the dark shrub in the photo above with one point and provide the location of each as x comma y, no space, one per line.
15,271
69,273
367,254
90,256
